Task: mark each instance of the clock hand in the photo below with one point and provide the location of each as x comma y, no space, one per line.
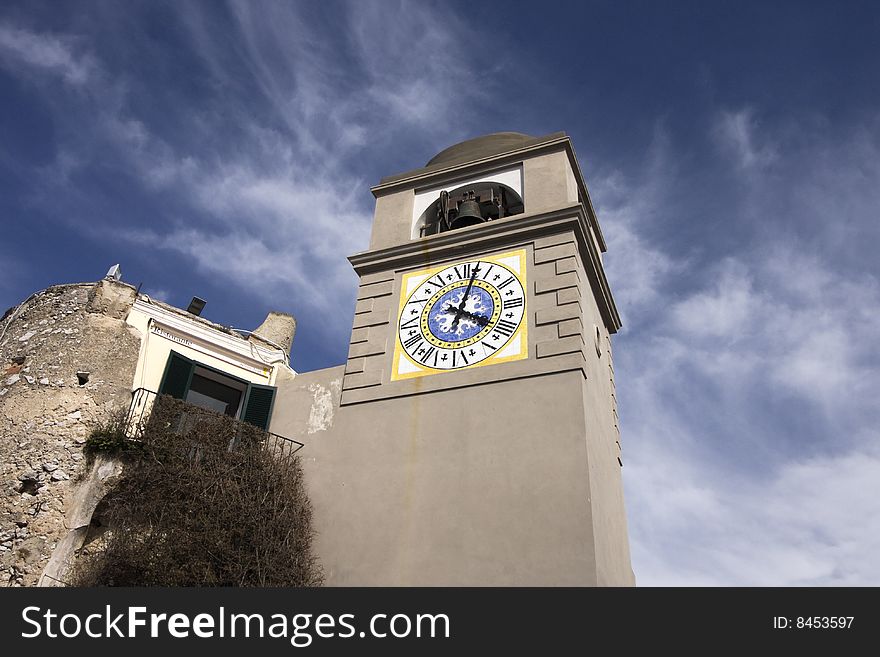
482,320
465,297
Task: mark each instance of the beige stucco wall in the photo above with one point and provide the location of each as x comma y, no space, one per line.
307,405
501,475
463,487
507,474
206,346
392,221
548,182
611,543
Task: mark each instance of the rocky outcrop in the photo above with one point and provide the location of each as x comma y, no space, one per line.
276,331
83,498
67,361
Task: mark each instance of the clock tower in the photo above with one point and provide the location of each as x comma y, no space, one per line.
471,438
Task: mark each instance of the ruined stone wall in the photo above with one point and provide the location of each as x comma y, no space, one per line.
47,411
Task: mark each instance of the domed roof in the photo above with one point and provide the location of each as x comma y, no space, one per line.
479,147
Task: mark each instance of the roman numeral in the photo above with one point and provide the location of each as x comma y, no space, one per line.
412,323
507,282
430,351
460,355
505,328
513,303
465,271
486,344
417,301
486,275
413,340
431,282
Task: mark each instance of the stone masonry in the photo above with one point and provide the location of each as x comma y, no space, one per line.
67,360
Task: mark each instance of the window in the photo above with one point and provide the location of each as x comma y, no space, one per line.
215,391
207,388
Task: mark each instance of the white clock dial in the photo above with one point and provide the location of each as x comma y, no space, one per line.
461,315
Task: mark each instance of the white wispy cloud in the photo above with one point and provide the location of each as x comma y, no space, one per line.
430,91
45,52
730,309
735,132
158,293
810,523
627,206
277,204
748,403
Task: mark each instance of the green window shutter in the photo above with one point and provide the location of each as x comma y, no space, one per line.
178,374
258,405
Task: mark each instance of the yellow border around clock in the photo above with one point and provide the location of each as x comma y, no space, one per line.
521,333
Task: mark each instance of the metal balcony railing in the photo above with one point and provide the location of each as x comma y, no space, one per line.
150,410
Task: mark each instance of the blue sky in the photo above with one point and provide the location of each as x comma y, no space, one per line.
226,150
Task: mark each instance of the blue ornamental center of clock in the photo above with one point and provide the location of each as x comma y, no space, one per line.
451,321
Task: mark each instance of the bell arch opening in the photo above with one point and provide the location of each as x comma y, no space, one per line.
468,205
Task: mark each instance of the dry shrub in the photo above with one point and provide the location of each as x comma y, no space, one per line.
204,501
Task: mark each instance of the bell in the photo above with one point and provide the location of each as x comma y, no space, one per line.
468,215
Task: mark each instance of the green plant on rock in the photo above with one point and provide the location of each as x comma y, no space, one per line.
110,439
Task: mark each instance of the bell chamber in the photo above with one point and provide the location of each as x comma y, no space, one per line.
471,205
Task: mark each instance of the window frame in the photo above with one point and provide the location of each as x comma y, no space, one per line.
246,393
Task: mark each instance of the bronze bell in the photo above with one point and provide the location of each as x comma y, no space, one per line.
468,214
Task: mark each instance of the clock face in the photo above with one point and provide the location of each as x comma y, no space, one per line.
465,314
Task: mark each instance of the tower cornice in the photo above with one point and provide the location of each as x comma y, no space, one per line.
442,173
495,235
